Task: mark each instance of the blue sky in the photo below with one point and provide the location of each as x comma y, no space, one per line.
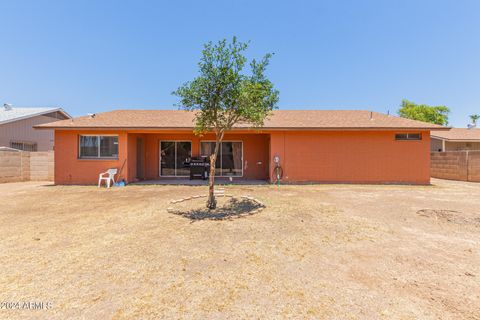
93,56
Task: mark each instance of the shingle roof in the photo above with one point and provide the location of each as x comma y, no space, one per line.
16,113
458,134
280,119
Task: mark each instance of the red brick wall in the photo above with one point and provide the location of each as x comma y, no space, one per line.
321,156
456,165
351,157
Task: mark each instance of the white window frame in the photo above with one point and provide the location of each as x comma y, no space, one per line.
220,155
160,158
98,151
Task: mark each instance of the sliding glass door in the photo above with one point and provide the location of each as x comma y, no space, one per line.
167,158
229,160
206,150
184,153
174,158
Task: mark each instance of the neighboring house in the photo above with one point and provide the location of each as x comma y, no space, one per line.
456,139
16,127
312,146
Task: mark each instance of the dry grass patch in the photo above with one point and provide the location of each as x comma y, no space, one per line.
451,216
316,251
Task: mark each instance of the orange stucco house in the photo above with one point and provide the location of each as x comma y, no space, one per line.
312,146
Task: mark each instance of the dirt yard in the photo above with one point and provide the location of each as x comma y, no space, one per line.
314,251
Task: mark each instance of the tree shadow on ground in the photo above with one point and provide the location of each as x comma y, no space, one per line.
234,208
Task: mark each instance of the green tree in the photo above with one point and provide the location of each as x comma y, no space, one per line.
423,112
474,118
223,94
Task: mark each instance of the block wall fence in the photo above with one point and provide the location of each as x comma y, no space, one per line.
456,165
16,166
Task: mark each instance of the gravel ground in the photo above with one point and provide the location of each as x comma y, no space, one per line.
314,251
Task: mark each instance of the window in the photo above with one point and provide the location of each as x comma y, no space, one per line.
91,147
408,136
175,158
25,146
229,160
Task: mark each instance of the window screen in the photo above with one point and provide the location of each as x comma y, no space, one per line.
98,147
108,146
408,136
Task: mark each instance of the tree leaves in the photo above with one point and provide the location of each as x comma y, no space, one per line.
223,93
423,112
474,118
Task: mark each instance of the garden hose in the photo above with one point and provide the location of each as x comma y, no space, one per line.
278,173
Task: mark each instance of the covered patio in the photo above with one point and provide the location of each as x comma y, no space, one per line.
165,157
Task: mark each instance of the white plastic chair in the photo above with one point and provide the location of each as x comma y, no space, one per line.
107,176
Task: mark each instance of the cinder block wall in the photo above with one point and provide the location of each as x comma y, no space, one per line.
474,166
16,166
11,166
25,165
41,166
456,165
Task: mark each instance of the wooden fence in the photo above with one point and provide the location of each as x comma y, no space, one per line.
456,165
18,166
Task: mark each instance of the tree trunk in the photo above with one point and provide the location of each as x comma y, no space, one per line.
212,202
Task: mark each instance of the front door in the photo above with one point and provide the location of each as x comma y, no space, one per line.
174,158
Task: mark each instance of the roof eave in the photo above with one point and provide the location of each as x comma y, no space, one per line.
456,140
37,114
65,113
46,126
